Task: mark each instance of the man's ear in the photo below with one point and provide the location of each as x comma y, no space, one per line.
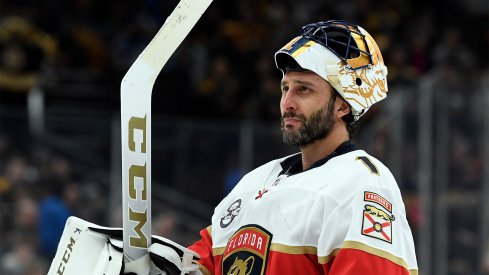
342,108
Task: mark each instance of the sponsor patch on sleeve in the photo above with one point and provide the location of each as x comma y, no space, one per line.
377,221
246,251
231,213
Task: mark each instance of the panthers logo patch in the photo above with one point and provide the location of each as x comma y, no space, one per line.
246,251
377,222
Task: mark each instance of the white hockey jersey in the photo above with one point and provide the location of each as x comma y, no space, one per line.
344,215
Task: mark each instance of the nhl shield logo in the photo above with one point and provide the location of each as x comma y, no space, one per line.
246,252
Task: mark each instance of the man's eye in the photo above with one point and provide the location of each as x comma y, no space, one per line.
285,88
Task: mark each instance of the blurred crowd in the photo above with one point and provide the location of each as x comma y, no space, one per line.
225,70
225,67
38,192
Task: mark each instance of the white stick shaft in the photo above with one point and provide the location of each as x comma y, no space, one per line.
136,89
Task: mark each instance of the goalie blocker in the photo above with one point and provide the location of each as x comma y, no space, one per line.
87,248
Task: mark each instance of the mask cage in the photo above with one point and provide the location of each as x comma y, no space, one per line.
337,36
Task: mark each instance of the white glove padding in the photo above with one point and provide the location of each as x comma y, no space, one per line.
82,250
87,248
170,258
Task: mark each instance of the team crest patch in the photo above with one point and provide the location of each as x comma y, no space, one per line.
247,251
377,223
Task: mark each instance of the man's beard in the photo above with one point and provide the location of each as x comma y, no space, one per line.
316,127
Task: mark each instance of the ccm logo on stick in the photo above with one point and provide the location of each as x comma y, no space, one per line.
66,257
137,171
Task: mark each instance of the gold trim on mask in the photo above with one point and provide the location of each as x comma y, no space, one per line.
303,48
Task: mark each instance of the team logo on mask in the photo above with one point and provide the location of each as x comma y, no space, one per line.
246,251
231,213
377,223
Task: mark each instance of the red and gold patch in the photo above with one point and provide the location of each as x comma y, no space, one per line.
246,251
372,197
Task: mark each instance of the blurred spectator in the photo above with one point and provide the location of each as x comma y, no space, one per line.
400,71
54,210
220,88
485,261
451,49
16,262
26,214
165,225
232,175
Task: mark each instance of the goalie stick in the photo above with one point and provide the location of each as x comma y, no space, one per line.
136,89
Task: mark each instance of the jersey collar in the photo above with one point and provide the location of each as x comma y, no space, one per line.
293,165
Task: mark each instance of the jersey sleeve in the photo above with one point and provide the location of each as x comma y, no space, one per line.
367,232
204,248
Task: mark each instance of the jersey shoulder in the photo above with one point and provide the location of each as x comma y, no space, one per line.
354,171
359,167
369,210
359,161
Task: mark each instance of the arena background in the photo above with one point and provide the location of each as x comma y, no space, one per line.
215,116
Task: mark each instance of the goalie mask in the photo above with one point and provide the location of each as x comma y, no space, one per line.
343,54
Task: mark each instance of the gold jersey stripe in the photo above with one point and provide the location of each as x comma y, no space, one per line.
209,230
218,251
278,248
326,259
413,272
377,252
293,249
303,48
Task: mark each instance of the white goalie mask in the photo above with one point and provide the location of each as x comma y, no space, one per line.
343,54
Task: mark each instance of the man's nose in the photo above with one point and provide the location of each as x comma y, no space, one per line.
288,101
